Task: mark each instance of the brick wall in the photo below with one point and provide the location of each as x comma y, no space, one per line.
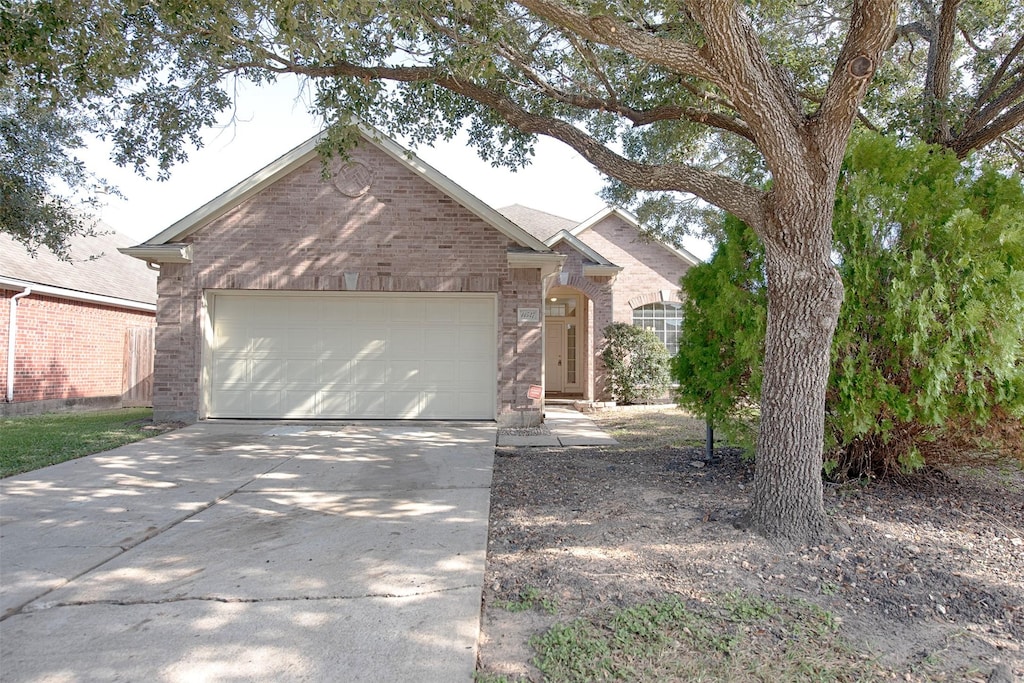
650,273
648,267
598,311
65,349
305,234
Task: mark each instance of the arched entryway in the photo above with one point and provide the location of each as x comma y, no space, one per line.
575,310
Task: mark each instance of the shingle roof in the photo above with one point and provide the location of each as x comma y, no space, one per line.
540,224
109,274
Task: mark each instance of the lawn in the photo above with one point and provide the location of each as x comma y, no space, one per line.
31,442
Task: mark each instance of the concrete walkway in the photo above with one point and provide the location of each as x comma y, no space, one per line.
568,426
251,552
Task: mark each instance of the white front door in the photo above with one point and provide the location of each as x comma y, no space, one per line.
554,356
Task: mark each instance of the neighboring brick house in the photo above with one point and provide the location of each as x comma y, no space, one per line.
386,291
81,326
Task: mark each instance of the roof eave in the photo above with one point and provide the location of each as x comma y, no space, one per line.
160,253
548,262
580,246
76,295
598,270
597,218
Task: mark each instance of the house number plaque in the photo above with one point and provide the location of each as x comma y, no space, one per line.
529,315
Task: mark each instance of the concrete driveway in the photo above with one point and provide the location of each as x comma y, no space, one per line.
251,552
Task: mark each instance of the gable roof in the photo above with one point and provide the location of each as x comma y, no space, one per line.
306,152
577,244
553,229
556,229
632,220
540,224
595,265
96,267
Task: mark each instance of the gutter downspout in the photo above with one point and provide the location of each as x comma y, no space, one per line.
12,332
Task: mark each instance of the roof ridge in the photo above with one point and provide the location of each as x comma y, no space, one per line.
530,208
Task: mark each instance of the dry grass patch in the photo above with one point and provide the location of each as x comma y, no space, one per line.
654,426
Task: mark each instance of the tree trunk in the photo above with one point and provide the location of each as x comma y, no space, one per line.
804,296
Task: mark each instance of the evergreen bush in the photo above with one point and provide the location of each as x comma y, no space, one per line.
931,333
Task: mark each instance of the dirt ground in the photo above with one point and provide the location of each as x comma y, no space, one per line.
927,575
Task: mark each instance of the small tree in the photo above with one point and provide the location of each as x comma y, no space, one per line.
932,328
637,362
721,342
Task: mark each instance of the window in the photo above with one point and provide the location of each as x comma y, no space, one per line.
664,319
570,354
560,307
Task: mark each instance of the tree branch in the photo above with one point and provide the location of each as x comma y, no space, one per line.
638,117
765,102
674,55
871,26
737,198
704,94
937,74
1015,151
997,76
861,116
978,49
591,59
989,112
914,27
965,144
721,121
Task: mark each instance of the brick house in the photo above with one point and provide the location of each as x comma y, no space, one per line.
388,292
612,273
81,328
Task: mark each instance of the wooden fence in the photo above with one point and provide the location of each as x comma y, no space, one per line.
139,349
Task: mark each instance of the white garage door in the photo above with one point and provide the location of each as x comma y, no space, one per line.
352,356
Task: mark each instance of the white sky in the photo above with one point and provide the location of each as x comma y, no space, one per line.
270,121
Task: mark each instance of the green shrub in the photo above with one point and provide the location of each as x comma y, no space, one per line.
931,332
721,341
637,363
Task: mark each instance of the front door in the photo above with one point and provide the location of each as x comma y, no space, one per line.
554,357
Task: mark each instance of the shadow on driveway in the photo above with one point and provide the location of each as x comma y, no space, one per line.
251,552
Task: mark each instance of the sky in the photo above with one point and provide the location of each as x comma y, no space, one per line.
270,121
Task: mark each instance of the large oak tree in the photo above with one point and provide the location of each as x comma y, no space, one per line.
746,106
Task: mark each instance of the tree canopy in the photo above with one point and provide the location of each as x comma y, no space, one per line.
746,106
650,92
35,152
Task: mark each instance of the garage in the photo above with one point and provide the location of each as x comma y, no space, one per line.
351,355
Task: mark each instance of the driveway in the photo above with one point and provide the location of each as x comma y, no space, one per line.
251,552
